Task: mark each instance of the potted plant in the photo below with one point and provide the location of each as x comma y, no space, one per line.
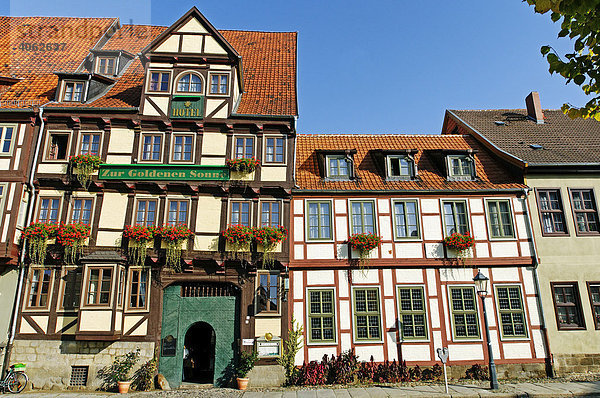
246,362
173,236
268,238
243,165
364,243
139,236
83,166
37,235
72,237
238,238
460,243
119,372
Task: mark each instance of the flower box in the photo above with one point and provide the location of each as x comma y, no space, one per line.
241,176
364,244
243,165
83,167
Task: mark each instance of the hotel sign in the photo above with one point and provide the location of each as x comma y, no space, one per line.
162,172
187,107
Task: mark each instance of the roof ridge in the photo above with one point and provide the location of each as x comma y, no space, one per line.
496,110
256,31
56,16
416,135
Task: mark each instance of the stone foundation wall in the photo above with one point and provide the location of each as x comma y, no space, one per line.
504,371
49,361
565,364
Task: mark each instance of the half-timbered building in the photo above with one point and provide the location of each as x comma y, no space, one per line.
412,295
163,108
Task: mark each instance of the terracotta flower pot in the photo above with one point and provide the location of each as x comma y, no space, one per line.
124,386
242,383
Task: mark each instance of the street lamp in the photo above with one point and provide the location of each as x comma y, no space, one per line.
481,284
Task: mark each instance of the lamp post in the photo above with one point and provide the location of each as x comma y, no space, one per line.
481,284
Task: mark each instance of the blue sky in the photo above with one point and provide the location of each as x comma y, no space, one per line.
378,66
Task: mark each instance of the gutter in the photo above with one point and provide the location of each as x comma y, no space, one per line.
387,191
295,157
30,206
536,283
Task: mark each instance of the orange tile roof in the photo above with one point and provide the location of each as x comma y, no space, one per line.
491,174
269,61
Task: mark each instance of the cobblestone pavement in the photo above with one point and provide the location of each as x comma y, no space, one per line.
532,389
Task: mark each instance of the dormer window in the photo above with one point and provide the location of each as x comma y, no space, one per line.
106,65
219,83
189,83
400,166
159,81
337,167
460,167
73,91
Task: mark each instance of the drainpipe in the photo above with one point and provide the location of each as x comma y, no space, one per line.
536,282
30,206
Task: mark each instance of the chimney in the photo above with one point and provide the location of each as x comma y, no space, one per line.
534,108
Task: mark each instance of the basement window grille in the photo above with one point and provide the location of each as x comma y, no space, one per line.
79,376
208,290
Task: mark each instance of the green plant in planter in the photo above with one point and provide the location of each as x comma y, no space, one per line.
364,243
72,237
119,370
290,348
243,165
269,237
37,235
245,363
83,166
174,236
139,236
238,237
461,243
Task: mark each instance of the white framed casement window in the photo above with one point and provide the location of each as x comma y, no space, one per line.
99,286
145,211
337,167
320,309
106,65
159,81
240,213
275,149
49,209
182,148
270,213
460,167
178,211
8,135
267,293
89,143
138,289
73,91
511,312
500,218
464,312
58,144
189,82
39,288
412,312
319,225
219,83
151,147
243,146
366,307
400,167
81,210
362,216
406,219
455,216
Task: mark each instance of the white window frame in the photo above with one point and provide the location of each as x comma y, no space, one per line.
512,215
419,238
460,177
11,148
306,220
382,328
411,171
209,84
174,90
135,208
467,208
99,57
178,198
450,313
80,140
141,147
148,81
261,201
426,310
254,143
349,165
48,137
127,290
250,210
375,215
265,150
172,148
81,196
527,337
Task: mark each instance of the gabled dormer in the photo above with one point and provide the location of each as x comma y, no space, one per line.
80,87
109,63
396,164
336,164
192,72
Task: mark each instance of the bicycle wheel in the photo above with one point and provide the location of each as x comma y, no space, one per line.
16,382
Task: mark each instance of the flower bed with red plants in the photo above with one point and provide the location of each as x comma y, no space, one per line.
174,236
72,237
37,235
238,235
364,243
459,242
83,166
269,237
244,165
139,236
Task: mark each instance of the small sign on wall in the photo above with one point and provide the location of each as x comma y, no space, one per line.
169,346
247,341
268,349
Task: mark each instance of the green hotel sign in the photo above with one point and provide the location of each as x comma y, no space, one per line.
162,172
187,107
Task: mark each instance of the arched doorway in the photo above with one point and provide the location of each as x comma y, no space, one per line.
199,354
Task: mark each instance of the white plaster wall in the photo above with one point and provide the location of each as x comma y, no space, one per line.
434,250
534,314
214,144
431,282
465,352
432,228
385,227
341,227
416,352
212,47
505,274
191,44
387,250
434,310
108,238
504,249
171,45
365,276
114,206
212,161
521,226
340,205
346,341
298,229
321,277
364,353
538,344
345,314
456,275
320,251
343,283
299,252
298,205
388,285
208,217
52,168
383,205
409,250
410,275
517,350
476,205
482,249
390,313
430,206
273,173
479,227
392,346
298,283
121,141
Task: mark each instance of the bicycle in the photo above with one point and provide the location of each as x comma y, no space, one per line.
15,380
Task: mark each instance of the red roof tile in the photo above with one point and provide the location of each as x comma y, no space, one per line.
491,174
133,38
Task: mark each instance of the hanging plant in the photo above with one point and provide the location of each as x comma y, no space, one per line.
461,243
239,237
72,237
174,236
83,166
37,235
364,243
243,165
139,236
269,237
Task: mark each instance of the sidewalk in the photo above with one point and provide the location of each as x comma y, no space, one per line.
547,390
